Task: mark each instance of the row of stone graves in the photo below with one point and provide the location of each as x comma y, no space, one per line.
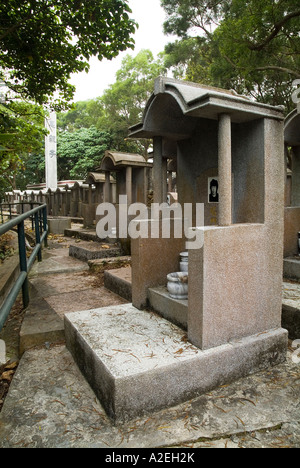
228,155
119,174
239,161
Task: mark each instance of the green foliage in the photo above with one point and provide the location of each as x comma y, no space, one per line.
124,101
121,105
21,133
248,45
81,152
42,42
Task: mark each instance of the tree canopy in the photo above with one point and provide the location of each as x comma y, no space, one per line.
122,103
249,45
80,152
21,133
42,42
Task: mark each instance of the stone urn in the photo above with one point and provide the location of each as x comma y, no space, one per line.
184,261
178,285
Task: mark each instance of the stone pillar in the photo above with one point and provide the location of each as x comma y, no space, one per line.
129,184
296,176
225,183
90,195
146,185
157,170
169,181
164,180
107,187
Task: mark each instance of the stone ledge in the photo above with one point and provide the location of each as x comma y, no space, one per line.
40,325
291,268
86,251
137,362
172,309
291,321
119,282
101,264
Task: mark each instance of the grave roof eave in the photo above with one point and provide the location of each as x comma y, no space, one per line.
200,101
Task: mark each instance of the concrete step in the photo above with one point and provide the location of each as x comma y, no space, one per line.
86,251
119,281
137,362
86,234
99,265
291,268
79,232
172,309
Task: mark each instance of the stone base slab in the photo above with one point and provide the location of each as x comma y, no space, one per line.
172,309
137,362
86,251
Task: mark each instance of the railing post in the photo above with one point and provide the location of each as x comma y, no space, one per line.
38,235
23,262
32,218
45,225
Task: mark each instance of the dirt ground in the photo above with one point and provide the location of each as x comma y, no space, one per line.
10,335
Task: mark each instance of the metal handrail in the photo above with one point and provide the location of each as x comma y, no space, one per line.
41,231
10,205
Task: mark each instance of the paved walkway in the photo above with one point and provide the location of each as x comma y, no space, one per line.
50,404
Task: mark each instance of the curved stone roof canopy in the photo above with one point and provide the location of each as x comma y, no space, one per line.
292,129
175,107
114,161
97,178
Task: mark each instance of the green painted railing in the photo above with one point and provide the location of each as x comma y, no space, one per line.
39,219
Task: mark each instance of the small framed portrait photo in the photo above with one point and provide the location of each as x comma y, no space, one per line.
213,190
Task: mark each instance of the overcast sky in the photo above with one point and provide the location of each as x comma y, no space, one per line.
150,17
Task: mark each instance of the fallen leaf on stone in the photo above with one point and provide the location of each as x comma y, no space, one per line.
8,375
12,365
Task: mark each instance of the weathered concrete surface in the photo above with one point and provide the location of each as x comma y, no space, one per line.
291,268
92,250
101,264
172,309
138,362
59,285
51,405
119,281
57,260
57,225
